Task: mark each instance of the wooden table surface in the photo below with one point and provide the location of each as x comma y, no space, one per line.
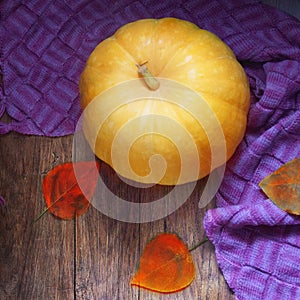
93,256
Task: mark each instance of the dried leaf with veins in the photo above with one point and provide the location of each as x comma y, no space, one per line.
68,188
283,187
166,265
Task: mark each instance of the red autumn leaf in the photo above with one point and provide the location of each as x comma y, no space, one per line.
166,265
283,187
68,188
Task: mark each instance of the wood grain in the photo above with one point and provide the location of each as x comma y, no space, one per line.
36,260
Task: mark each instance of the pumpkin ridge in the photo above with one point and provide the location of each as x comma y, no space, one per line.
172,57
146,59
125,51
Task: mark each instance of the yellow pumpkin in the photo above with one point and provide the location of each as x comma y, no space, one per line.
128,88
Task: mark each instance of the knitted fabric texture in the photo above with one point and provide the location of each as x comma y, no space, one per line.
44,46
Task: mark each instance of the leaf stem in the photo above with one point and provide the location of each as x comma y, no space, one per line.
198,244
40,215
47,208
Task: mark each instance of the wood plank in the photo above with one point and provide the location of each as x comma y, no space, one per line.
36,260
104,247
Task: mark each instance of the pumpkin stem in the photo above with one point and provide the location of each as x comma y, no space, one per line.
150,80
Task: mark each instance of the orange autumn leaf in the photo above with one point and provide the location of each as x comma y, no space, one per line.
166,265
283,187
67,192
